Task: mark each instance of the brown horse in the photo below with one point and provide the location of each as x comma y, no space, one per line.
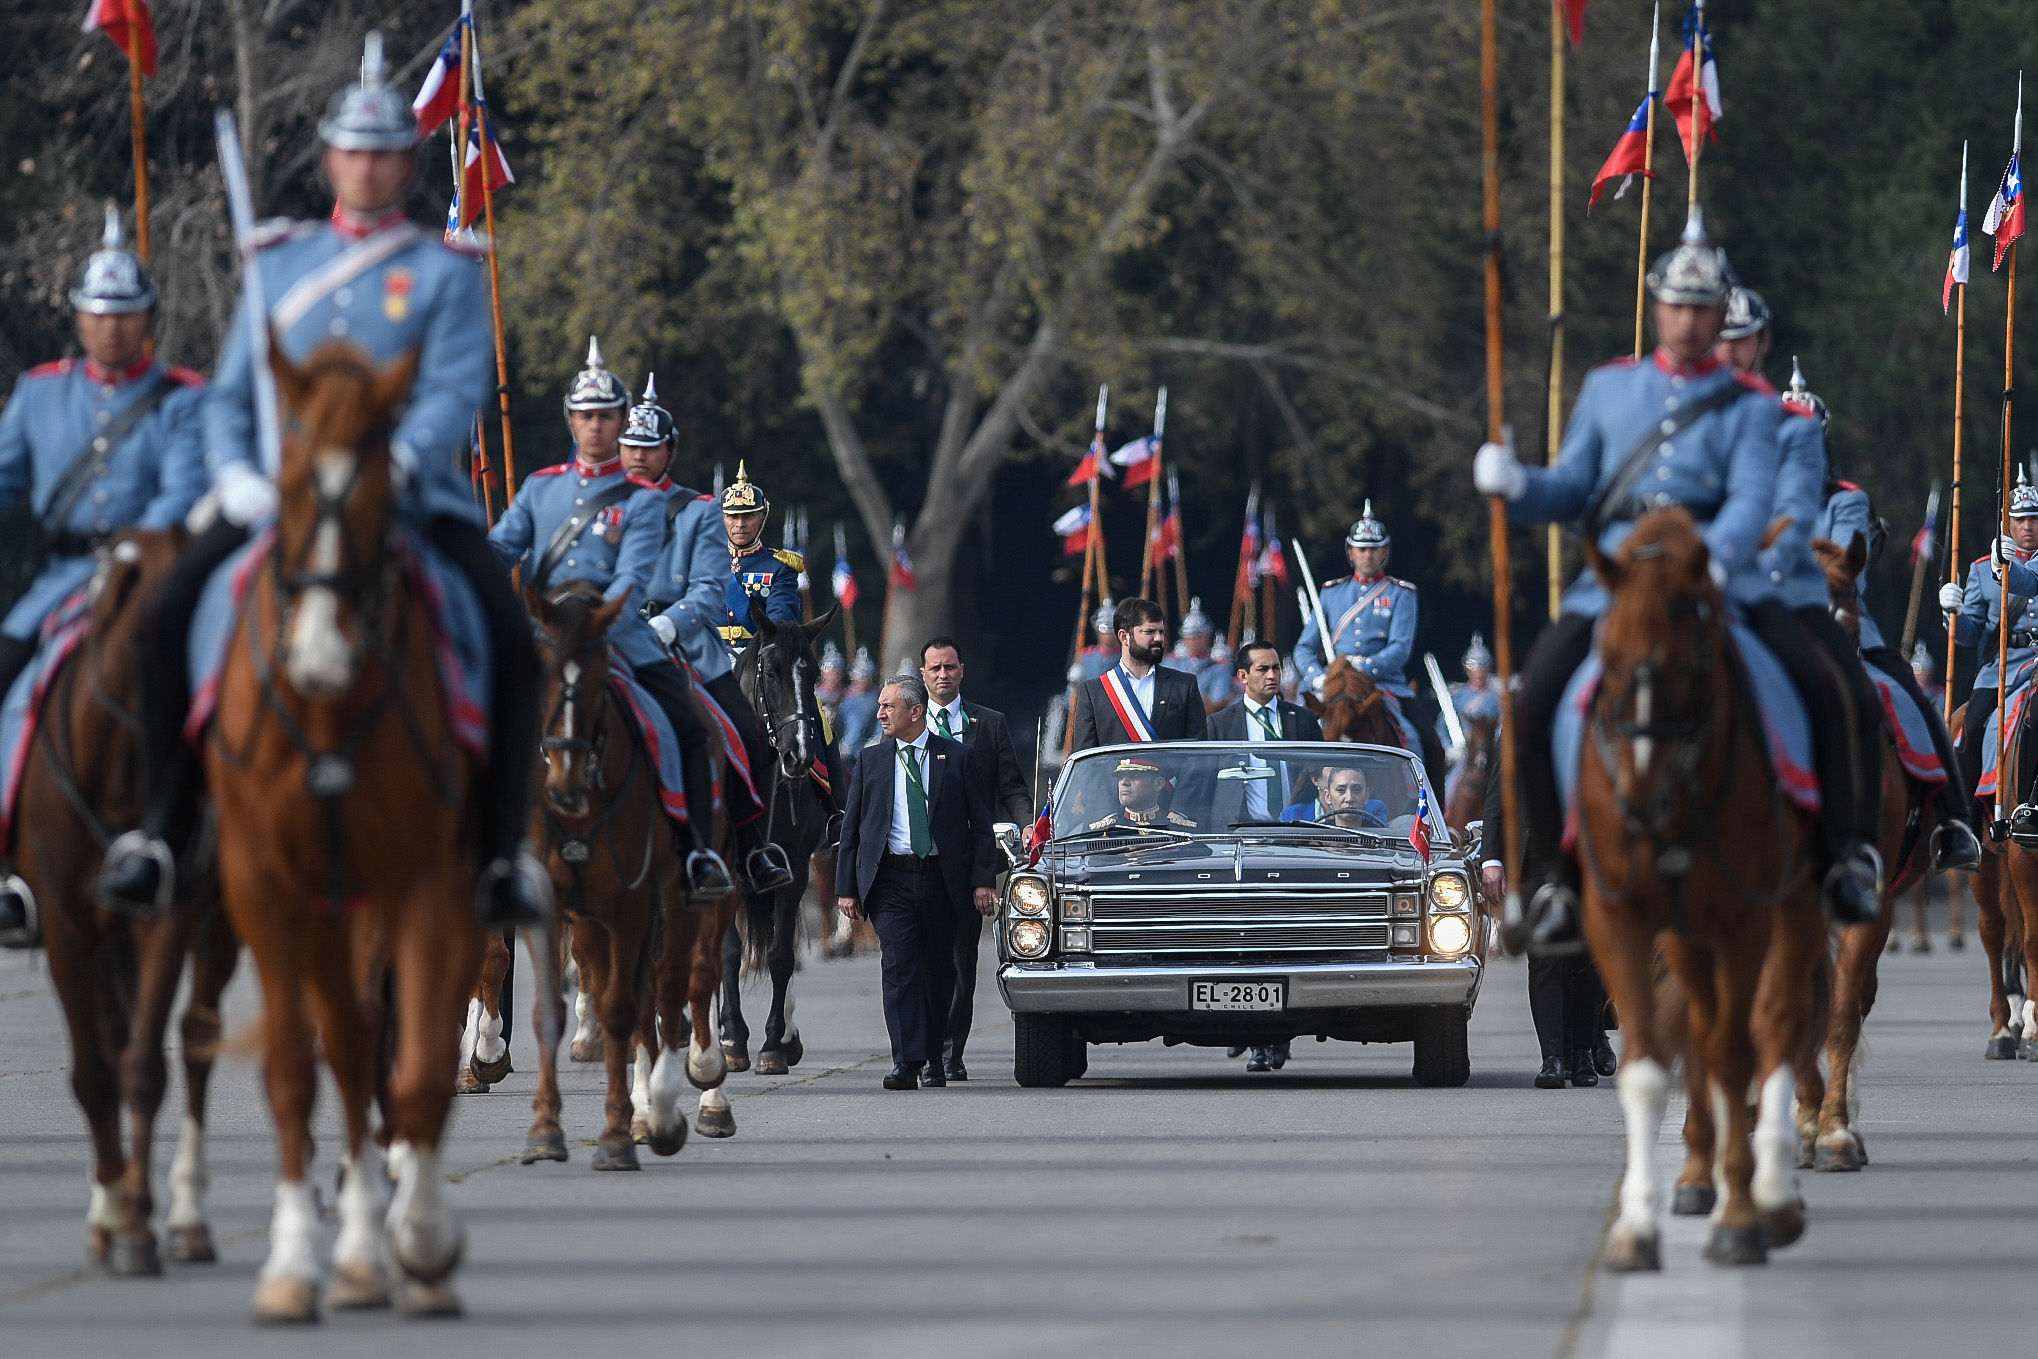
116,977
1467,802
346,843
616,874
2000,922
1353,708
1673,774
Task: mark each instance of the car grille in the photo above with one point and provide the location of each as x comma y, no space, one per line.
1263,923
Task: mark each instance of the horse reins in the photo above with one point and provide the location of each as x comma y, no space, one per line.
576,849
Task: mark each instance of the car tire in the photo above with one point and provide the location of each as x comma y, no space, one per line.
1041,1051
1079,1056
1443,1055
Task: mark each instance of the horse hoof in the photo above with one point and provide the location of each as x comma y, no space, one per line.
98,1245
545,1146
428,1300
737,1055
465,1082
1783,1226
2001,1048
1807,1153
615,1156
670,1143
191,1245
491,1073
1692,1200
770,1062
793,1049
715,1122
135,1257
1836,1153
1956,942
1633,1254
585,1050
1738,1246
358,1287
640,1130
2027,1049
284,1302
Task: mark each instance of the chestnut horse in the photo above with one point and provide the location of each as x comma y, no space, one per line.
2000,922
616,875
1687,845
346,843
117,977
1467,802
1353,708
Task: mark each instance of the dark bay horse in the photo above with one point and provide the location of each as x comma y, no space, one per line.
117,977
346,845
1353,708
777,672
1467,802
1688,846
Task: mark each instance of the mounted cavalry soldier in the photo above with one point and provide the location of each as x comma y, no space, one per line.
1680,429
1475,698
1102,654
371,277
1372,618
1196,656
1977,613
96,446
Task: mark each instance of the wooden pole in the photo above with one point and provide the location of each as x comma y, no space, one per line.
141,144
1181,555
502,387
1648,177
1503,640
1700,110
1554,401
1093,563
2003,587
1953,525
1153,519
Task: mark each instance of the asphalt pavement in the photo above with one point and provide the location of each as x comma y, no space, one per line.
1168,1204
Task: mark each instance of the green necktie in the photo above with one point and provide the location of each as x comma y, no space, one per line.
1265,717
916,803
941,716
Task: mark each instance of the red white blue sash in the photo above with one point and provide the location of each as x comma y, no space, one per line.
1118,688
1345,620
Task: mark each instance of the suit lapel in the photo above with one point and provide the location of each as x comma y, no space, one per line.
937,765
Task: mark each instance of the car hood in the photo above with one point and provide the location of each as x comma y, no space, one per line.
1226,860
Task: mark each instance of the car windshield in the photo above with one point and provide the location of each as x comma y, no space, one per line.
1207,787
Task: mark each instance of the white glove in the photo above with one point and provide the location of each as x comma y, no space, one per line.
1951,597
1316,685
245,495
1497,471
1718,571
663,626
2005,547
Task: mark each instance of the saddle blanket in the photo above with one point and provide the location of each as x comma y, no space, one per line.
22,709
658,735
1784,723
2016,706
1910,729
457,634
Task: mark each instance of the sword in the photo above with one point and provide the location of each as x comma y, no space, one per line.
1315,602
1450,709
241,208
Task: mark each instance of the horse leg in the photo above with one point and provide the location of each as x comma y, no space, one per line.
1622,947
1956,937
1812,1090
664,1122
735,1032
586,1045
1989,924
782,1049
352,1049
286,1290
1781,1027
144,1072
1737,1237
484,1056
1693,1194
616,1003
79,973
2021,871
546,1141
214,957
706,1067
1838,1147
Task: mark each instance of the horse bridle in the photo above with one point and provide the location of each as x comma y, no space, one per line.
361,589
576,849
804,743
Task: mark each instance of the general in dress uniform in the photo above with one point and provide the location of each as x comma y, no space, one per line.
1680,429
371,278
95,445
1372,618
1140,781
1977,613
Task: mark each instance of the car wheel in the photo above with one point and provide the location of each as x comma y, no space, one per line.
1443,1055
1041,1050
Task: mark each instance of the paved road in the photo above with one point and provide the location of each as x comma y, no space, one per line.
1167,1205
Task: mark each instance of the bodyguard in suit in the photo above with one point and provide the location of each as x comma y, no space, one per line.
916,854
996,764
1139,699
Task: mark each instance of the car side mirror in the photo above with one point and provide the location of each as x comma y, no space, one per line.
1006,833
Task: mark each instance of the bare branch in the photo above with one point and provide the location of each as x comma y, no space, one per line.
852,460
1312,456
845,80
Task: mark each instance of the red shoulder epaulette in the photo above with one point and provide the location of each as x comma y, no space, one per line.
1979,560
54,368
1404,584
1846,485
1754,382
186,377
703,497
553,470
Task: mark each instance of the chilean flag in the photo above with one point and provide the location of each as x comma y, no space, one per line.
1042,832
439,99
2005,220
1094,464
115,18
1167,536
1273,561
1630,155
1418,834
1695,84
1139,460
902,564
1574,20
480,167
1922,545
1956,263
844,583
1249,548
1074,528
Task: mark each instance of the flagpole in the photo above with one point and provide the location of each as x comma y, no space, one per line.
1648,175
459,135
141,145
1959,426
2003,587
1555,397
1092,559
1153,500
502,387
1700,110
1181,558
1503,648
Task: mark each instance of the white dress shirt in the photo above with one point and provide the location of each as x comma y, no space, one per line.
1142,689
954,711
1257,807
900,840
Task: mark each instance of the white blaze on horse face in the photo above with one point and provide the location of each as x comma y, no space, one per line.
188,1180
1645,713
1644,1089
320,660
1775,1182
293,1234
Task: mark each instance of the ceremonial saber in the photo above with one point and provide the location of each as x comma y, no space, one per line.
1316,599
1648,174
1959,424
1450,708
241,211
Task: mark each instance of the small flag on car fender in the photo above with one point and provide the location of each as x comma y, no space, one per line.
1042,832
1418,834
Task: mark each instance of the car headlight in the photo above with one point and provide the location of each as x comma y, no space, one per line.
1075,939
1028,938
1449,892
1029,896
1407,905
1450,934
1075,908
1404,936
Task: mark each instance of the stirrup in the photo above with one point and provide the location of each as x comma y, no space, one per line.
129,846
2023,825
1955,850
29,933
767,869
537,893
1860,870
707,880
831,834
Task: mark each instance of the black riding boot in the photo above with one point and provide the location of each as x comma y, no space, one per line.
1552,923
764,863
1954,846
707,877
19,926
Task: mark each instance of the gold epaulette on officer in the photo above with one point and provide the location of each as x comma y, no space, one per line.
790,558
1177,819
1105,823
734,633
276,230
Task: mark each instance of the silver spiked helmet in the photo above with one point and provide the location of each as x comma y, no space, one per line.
114,282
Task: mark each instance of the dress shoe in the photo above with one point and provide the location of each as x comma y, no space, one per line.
1553,1075
767,869
1277,1053
905,1076
957,1071
1258,1061
1853,888
1602,1056
138,877
1582,1074
707,878
1236,1052
932,1077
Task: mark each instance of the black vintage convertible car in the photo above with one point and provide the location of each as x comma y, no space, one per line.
1225,894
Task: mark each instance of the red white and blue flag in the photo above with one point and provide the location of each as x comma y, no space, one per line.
1694,92
121,19
1923,545
843,580
1118,689
1074,528
1249,548
1139,459
1956,263
1094,464
1272,561
1574,20
2005,220
1043,831
1418,834
902,564
1630,155
438,100
484,171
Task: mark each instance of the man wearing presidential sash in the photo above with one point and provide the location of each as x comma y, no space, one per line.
1138,699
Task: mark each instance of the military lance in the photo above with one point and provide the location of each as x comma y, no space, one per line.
1444,701
1956,272
1648,172
241,209
1996,218
1153,504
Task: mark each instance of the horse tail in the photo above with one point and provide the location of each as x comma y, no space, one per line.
759,927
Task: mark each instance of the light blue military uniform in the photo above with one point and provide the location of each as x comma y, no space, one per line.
1722,467
688,582
1371,621
152,478
1847,512
1795,573
423,296
615,552
1474,701
1981,612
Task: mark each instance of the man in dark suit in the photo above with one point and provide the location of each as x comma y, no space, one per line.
1139,699
916,853
996,763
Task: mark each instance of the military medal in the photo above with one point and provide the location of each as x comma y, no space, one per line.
397,286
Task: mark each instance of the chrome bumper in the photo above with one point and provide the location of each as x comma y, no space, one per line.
1318,986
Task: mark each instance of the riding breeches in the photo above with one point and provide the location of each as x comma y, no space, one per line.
669,686
1558,652
728,695
1981,715
1835,692
1956,795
